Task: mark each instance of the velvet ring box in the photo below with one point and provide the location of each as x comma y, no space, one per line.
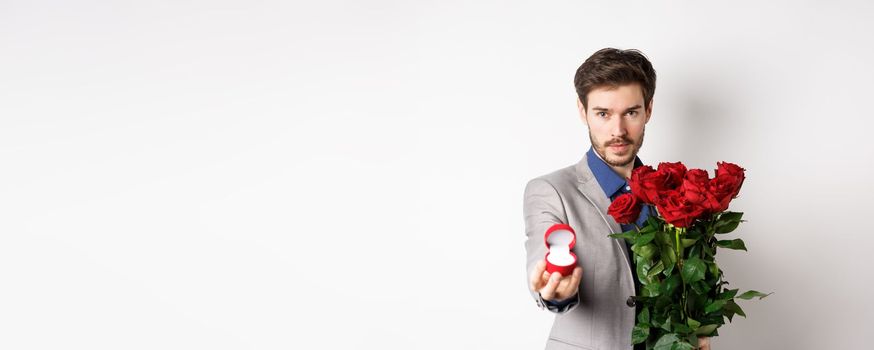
560,239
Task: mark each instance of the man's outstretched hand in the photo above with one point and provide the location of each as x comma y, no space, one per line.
554,287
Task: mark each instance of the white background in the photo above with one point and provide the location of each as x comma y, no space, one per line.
349,174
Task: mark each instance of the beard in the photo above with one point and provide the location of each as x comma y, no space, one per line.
615,159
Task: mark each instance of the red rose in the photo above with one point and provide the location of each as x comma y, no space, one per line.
625,209
722,190
676,172
677,210
646,183
733,173
695,186
698,190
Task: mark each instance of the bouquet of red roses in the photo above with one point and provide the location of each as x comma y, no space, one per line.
683,294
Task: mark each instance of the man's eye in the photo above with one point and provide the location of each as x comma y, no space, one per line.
632,113
602,114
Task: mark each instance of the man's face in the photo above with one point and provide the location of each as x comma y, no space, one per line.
616,118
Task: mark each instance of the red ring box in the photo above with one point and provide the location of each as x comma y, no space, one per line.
560,240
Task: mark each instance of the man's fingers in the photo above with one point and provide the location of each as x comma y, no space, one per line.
574,282
554,286
548,291
536,276
568,285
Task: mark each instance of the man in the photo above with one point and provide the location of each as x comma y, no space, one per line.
593,305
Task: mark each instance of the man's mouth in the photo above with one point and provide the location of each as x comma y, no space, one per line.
618,146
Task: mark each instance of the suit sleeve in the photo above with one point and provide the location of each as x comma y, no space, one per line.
542,207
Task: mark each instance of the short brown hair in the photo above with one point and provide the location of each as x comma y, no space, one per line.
613,67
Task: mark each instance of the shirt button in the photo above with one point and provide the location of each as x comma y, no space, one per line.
630,302
628,188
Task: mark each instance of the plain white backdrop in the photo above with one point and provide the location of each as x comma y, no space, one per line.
349,174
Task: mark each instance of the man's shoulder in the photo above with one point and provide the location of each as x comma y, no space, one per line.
560,179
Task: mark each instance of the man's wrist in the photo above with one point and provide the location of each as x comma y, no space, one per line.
562,302
559,306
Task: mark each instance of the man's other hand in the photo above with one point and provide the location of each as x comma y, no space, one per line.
554,287
704,343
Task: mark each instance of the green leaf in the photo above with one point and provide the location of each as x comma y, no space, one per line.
650,290
693,270
727,222
668,257
694,251
666,342
668,269
644,250
639,333
667,324
706,329
701,287
682,346
681,328
655,270
687,242
653,221
643,316
715,305
696,302
694,232
728,294
665,238
670,284
648,228
654,321
714,270
734,308
642,266
728,314
628,235
692,323
736,243
645,238
709,251
752,294
730,216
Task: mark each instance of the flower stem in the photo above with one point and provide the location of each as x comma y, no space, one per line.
677,232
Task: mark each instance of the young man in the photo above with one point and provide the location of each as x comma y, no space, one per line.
615,90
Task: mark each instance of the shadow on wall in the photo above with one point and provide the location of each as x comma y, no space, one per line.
710,125
706,125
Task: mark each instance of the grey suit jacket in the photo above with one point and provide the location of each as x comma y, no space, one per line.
602,318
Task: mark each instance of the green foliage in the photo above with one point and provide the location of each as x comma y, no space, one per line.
752,294
683,295
627,235
639,333
645,250
732,244
693,270
727,222
671,341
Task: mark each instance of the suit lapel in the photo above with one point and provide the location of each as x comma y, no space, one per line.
591,190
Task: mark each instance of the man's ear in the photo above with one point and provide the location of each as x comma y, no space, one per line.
648,111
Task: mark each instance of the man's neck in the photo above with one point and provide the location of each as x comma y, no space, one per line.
623,171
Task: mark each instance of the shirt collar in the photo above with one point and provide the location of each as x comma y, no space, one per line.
609,180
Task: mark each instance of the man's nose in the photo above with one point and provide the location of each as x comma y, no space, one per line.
617,127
